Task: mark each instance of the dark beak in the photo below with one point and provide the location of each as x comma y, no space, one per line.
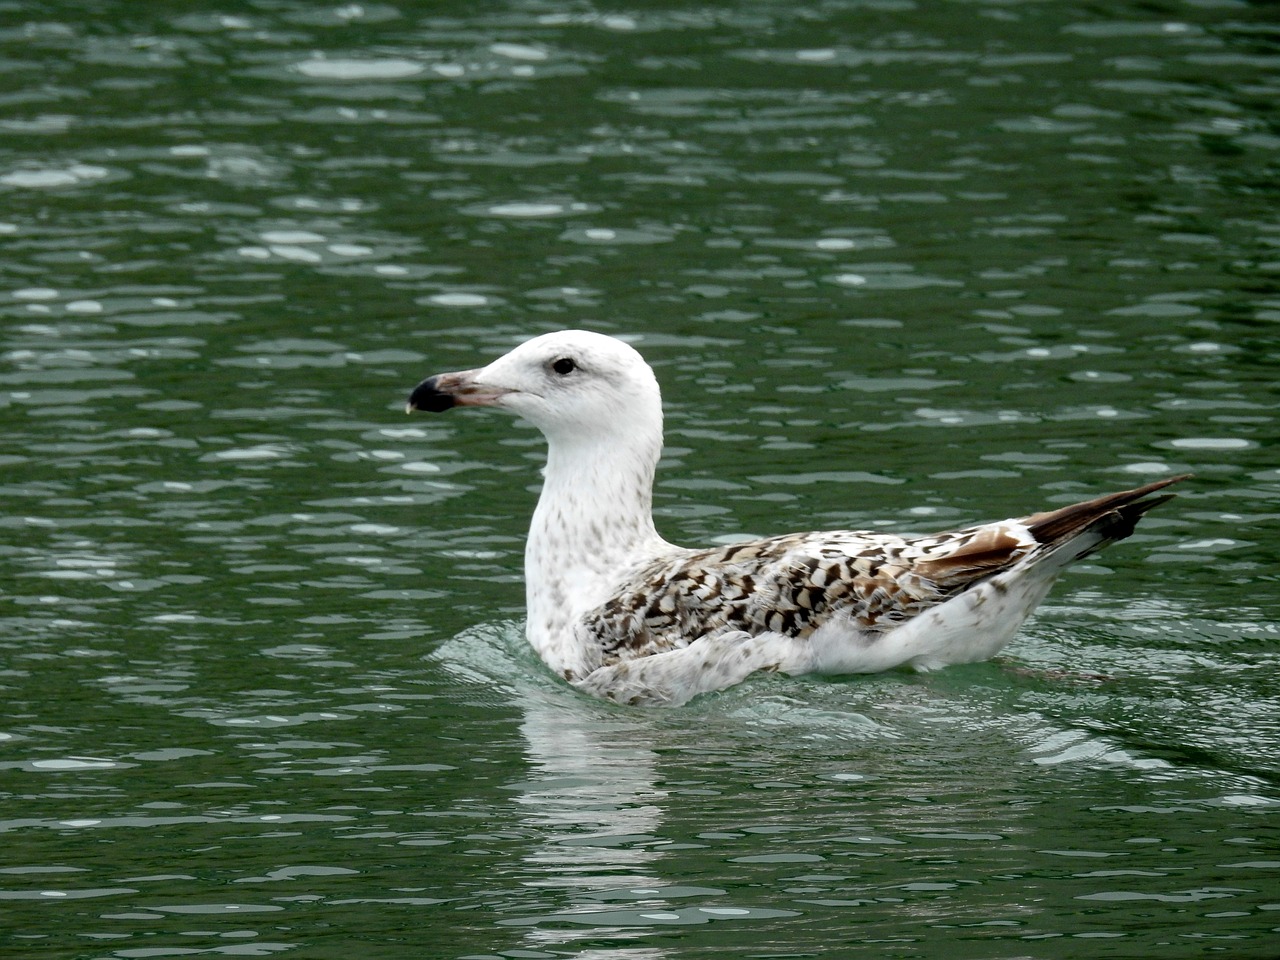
428,396
447,390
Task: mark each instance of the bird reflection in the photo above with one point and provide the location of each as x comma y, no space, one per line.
591,800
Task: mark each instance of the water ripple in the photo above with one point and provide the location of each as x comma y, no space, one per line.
897,266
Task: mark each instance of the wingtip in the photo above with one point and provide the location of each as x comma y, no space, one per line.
1161,484
1121,511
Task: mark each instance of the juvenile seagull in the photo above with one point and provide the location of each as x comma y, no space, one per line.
623,614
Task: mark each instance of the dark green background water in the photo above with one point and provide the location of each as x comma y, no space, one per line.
896,263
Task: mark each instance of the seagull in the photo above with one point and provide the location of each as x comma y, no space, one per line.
622,614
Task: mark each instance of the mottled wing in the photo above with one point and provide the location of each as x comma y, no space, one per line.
794,584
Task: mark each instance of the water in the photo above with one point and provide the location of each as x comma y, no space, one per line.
896,264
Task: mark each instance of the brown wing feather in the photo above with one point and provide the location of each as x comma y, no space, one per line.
1113,516
990,550
793,584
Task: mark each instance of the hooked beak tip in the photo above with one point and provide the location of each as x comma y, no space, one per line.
428,395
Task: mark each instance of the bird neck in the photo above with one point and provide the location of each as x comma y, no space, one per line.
593,522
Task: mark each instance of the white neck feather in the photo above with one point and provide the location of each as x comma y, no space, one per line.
593,523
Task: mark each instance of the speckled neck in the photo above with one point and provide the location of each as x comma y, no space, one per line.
593,523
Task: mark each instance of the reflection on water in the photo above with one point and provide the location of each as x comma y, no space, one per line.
590,797
591,800
893,793
897,265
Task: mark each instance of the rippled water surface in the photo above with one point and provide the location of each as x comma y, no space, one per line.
896,263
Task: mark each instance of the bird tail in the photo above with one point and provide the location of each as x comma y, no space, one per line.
1083,528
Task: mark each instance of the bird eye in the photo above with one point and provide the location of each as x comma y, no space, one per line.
564,366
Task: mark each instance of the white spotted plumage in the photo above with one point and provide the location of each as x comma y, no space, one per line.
625,615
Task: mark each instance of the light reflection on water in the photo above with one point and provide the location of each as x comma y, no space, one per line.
902,266
627,800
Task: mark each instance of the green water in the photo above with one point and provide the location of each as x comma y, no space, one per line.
896,264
